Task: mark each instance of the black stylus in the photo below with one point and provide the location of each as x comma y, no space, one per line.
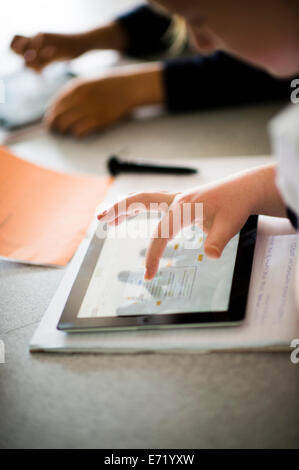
117,166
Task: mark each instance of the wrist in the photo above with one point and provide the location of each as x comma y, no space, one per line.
266,197
145,85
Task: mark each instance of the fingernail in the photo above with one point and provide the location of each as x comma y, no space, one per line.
100,216
146,274
213,251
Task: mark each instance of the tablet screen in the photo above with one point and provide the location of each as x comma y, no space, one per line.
187,281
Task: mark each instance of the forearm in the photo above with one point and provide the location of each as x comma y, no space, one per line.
142,85
109,36
146,84
138,32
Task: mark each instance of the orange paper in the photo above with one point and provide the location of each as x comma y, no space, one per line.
44,214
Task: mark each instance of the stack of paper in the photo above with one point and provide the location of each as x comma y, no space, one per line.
271,318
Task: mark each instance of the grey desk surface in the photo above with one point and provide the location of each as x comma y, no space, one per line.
219,400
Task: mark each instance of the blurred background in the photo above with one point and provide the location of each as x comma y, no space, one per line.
32,16
239,131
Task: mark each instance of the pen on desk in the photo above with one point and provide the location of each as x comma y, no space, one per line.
116,166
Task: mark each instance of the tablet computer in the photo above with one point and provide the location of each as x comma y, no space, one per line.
189,290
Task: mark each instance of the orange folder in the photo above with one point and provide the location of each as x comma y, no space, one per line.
44,214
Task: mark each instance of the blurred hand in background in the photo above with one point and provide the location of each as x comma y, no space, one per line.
44,48
86,106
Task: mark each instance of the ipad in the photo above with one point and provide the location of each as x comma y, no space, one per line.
189,290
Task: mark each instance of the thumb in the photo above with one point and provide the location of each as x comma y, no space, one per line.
224,228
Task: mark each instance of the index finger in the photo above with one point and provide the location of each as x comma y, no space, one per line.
127,206
168,227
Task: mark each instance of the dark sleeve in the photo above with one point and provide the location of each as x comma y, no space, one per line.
293,218
218,80
145,29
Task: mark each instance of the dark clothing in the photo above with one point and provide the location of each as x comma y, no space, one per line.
145,29
200,82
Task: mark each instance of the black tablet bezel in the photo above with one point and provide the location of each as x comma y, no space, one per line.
233,315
